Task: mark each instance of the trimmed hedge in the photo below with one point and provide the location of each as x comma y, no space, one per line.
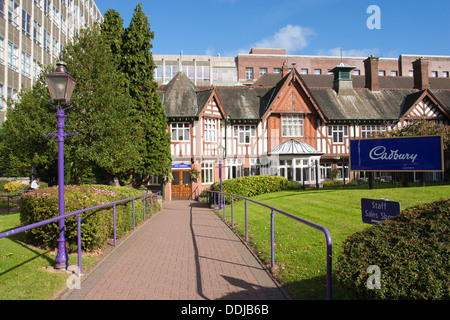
412,251
251,186
96,225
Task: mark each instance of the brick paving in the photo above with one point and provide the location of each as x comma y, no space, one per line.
185,252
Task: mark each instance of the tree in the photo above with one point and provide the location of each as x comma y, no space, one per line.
138,65
101,114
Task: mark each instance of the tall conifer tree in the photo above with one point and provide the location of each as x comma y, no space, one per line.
138,65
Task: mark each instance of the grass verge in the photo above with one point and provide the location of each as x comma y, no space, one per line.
300,250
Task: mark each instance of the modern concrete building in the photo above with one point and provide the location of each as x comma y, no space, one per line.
246,69
32,34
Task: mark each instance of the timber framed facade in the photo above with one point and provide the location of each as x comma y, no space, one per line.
290,124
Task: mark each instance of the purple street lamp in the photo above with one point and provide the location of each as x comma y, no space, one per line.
61,84
220,152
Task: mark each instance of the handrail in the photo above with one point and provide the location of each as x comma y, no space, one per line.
273,209
78,213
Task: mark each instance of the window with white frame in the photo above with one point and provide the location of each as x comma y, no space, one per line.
2,9
369,130
46,41
207,173
249,73
338,132
13,13
262,71
13,56
203,73
244,132
154,180
234,168
56,47
2,50
36,69
292,125
26,23
2,103
26,64
210,129
180,131
37,33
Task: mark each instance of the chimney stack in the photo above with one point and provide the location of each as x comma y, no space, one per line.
371,71
420,69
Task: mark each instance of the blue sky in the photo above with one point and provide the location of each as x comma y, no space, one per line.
302,27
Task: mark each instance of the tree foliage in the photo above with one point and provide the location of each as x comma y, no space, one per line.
117,112
100,114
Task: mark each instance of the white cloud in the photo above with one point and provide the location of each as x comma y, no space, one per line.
292,38
349,52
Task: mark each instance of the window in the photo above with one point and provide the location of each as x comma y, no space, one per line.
207,173
1,97
234,168
381,73
13,13
276,70
262,71
445,74
203,73
26,23
338,133
434,74
47,7
369,130
303,71
394,73
244,132
210,130
356,72
2,9
317,71
171,71
46,41
2,49
56,47
55,16
36,70
180,131
26,68
37,33
13,57
249,73
292,125
154,180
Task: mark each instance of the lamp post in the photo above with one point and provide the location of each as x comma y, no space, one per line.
60,84
220,152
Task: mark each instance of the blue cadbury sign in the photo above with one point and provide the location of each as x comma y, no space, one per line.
423,153
375,211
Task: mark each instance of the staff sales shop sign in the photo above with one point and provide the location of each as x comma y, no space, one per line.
375,211
424,153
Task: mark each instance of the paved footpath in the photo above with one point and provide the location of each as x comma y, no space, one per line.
185,252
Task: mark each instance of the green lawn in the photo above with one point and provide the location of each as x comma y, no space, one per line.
24,269
300,250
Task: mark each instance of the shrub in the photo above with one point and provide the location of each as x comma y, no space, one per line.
251,186
14,186
96,225
411,250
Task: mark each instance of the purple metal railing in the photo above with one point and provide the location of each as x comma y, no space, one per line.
216,194
17,196
78,213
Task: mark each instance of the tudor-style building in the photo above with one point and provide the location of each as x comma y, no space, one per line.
288,124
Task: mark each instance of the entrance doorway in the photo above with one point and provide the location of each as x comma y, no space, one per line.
181,185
